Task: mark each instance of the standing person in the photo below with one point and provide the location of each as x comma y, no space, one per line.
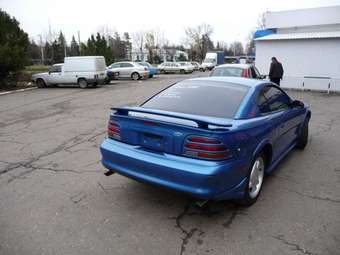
276,71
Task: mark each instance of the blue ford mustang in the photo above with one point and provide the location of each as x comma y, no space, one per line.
212,138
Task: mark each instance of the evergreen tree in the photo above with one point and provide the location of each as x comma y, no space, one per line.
13,45
74,49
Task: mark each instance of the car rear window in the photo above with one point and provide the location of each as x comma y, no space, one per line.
227,71
207,98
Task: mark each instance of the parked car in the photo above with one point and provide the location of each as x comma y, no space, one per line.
129,70
189,67
174,67
198,67
237,70
211,147
75,70
152,70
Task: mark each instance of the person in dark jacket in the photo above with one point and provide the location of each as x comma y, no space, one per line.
276,71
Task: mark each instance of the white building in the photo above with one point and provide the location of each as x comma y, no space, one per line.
307,43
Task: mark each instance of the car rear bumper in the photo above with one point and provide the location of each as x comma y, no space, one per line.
198,178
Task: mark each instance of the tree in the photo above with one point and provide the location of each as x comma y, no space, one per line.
59,49
150,45
127,45
13,45
236,48
33,51
198,39
74,48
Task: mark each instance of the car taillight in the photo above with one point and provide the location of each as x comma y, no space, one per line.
205,148
113,130
246,73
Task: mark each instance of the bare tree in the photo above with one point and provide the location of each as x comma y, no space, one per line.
198,39
138,39
261,22
150,45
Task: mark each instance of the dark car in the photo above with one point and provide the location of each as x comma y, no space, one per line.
211,138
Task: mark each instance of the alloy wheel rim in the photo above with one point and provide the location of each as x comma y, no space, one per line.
256,177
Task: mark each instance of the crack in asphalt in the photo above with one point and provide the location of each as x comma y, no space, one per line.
62,147
294,246
189,233
315,197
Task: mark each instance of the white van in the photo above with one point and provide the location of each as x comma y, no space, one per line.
75,70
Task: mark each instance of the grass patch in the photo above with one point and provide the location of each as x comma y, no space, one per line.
36,69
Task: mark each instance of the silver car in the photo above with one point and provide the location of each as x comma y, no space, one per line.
174,67
130,70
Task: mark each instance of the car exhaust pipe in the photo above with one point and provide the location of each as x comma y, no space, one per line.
108,173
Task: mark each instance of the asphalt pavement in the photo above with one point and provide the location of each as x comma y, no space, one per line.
54,198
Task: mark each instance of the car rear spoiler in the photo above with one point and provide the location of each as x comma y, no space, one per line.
201,121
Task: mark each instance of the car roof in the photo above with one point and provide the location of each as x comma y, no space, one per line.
236,80
243,66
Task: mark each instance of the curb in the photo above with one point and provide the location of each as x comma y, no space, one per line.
14,91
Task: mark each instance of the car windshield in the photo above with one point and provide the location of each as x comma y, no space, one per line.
227,71
190,97
209,60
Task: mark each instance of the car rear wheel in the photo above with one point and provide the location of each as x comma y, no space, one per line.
303,137
150,75
135,76
255,181
40,83
182,71
82,83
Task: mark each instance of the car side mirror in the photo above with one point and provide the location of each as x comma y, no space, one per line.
297,104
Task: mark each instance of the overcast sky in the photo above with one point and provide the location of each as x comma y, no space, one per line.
231,20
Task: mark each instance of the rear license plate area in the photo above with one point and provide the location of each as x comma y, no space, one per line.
152,141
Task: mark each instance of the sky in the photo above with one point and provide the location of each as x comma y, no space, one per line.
231,20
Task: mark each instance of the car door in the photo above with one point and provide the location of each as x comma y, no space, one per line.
284,120
126,69
55,75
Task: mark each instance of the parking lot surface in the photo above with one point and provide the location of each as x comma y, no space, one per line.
54,198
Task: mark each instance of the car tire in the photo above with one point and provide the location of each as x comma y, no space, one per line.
150,75
182,71
254,181
135,76
162,71
82,83
303,136
40,83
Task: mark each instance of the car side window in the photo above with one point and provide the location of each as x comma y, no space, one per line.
126,65
272,99
115,65
55,69
258,75
253,73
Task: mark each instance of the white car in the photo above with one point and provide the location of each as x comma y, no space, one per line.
131,70
75,70
175,67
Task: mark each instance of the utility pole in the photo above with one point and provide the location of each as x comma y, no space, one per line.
41,50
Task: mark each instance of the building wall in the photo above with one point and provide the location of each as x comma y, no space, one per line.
303,17
300,58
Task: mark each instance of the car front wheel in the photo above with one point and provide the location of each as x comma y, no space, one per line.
255,181
135,76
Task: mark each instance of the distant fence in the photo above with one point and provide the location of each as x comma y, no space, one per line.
320,83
